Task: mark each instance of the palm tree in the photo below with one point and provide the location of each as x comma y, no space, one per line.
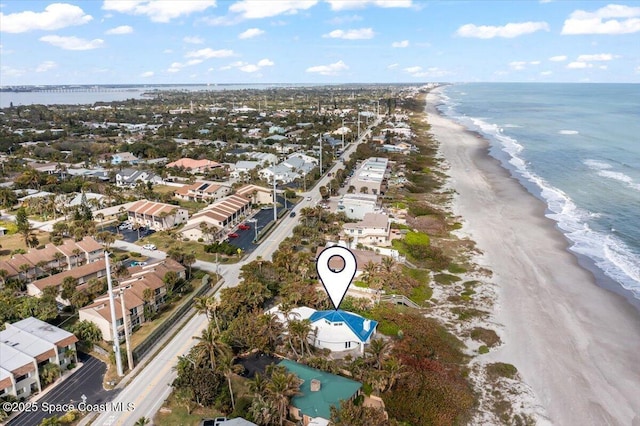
368,272
378,349
144,421
58,256
208,346
100,217
3,275
281,387
227,367
189,259
299,331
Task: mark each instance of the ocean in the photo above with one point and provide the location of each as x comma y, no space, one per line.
577,147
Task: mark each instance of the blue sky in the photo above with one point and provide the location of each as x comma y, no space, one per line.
317,41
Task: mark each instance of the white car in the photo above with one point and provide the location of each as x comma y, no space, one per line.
149,247
308,198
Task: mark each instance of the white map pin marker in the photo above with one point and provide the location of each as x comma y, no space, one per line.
336,283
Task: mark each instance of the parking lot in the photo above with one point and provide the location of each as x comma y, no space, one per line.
245,238
130,235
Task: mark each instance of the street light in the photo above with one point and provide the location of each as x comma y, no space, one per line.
255,227
342,130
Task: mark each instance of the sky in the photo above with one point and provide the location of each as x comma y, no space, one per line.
317,41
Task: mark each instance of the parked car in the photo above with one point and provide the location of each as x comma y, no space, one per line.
244,226
292,214
233,235
218,421
149,246
308,198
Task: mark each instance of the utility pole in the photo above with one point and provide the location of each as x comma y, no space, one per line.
126,331
275,206
320,142
114,326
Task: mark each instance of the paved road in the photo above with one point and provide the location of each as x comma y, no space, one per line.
148,390
87,381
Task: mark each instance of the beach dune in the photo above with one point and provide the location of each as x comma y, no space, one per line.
575,344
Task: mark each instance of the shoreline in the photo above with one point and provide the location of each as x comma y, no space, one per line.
575,343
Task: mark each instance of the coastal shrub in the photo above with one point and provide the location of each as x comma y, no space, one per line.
488,337
423,209
433,390
501,369
454,268
483,350
467,314
446,279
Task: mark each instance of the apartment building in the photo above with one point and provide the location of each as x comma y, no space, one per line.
27,346
158,216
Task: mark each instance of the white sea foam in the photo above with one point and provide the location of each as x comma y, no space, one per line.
597,165
609,253
620,177
568,132
604,170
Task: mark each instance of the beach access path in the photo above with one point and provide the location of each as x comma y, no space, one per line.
575,344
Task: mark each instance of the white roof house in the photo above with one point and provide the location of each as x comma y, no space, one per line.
336,330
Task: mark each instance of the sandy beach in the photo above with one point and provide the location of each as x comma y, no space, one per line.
575,344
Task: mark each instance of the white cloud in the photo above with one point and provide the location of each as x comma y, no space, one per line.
72,43
122,29
147,74
46,66
638,69
403,43
558,58
55,16
393,66
177,66
193,40
360,4
360,34
534,62
596,57
247,67
208,53
256,9
158,11
250,33
510,30
517,65
611,19
331,69
265,63
413,70
578,65
546,73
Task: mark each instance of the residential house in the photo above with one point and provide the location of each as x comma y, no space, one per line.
336,330
124,157
144,288
363,257
40,262
157,216
355,206
257,194
374,228
319,392
265,158
370,176
293,167
210,223
25,347
82,274
194,166
202,192
242,168
129,178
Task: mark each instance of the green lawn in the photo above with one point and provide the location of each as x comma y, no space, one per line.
163,241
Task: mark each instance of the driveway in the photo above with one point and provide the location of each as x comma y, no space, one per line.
87,381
